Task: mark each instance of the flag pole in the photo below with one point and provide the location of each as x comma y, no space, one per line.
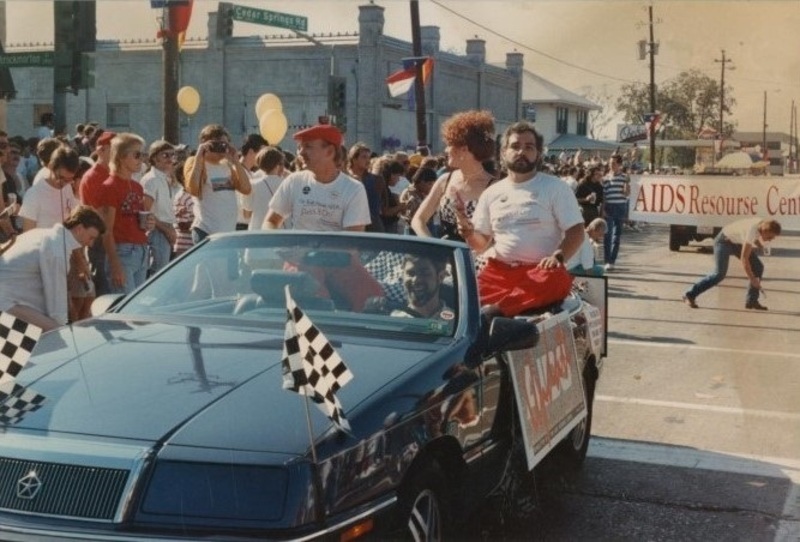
310,429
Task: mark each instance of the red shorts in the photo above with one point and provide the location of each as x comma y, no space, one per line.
518,288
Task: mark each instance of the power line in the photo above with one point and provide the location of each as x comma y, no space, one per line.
522,45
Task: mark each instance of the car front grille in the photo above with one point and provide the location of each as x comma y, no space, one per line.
55,489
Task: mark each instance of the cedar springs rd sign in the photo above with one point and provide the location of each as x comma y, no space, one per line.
269,18
714,200
40,59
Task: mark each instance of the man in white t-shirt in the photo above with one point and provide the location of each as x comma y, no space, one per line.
533,223
322,198
160,188
50,202
212,177
742,239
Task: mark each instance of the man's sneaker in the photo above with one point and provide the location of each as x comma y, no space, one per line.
689,300
756,306
608,267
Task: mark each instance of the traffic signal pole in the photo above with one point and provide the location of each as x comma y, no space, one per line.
419,86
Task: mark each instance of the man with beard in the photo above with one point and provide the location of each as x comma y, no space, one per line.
533,224
422,279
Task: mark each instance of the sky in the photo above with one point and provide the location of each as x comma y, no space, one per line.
581,45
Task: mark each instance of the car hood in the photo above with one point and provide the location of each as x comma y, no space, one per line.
183,385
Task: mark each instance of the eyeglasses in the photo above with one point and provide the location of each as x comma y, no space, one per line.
167,154
136,154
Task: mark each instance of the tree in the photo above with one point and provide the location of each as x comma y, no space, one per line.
599,119
687,103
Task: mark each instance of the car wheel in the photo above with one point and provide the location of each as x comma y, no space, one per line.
675,242
572,450
423,505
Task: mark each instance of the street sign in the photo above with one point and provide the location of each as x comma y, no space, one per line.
42,59
269,18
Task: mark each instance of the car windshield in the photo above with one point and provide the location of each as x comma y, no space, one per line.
357,281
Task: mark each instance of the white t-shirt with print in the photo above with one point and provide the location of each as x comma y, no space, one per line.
158,186
315,206
257,201
527,220
217,210
47,205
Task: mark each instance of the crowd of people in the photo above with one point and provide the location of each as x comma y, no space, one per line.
521,212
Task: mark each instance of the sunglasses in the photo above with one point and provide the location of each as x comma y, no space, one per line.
168,154
136,154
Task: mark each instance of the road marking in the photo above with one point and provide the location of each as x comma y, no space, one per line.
640,344
775,414
788,528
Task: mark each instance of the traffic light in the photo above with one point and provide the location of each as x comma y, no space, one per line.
224,20
75,34
337,101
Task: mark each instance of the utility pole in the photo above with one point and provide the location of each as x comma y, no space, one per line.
419,87
764,134
652,91
722,61
170,130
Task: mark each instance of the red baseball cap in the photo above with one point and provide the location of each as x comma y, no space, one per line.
105,138
325,132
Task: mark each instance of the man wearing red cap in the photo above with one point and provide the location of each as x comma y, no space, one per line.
322,198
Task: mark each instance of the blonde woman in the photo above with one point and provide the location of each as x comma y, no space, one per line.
121,201
469,137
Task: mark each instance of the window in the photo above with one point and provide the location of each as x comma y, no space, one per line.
529,112
583,117
562,120
118,115
38,111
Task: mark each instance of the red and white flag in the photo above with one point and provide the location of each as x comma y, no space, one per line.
402,81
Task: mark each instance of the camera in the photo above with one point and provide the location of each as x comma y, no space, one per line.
218,146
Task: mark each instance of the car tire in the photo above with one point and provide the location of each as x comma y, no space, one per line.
572,450
675,242
423,505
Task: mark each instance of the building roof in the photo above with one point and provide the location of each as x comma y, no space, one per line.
747,137
572,142
536,89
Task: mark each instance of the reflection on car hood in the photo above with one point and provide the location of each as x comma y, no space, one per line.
210,386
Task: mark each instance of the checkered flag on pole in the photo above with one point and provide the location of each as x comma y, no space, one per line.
17,339
16,401
311,366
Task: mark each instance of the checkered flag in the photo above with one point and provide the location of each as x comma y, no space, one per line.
17,339
311,366
16,401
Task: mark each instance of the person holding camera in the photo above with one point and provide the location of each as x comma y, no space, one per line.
213,176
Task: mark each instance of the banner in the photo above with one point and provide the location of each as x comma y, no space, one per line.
714,200
548,387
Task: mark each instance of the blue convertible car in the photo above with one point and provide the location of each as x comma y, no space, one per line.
167,415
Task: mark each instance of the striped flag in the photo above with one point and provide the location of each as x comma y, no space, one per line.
402,81
311,366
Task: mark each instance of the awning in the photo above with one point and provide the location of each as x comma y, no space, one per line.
572,142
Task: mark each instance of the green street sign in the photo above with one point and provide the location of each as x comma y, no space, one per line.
269,18
42,59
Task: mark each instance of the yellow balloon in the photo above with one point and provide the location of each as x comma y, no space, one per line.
266,102
188,100
273,126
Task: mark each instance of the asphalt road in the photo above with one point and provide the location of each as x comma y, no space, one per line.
697,414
